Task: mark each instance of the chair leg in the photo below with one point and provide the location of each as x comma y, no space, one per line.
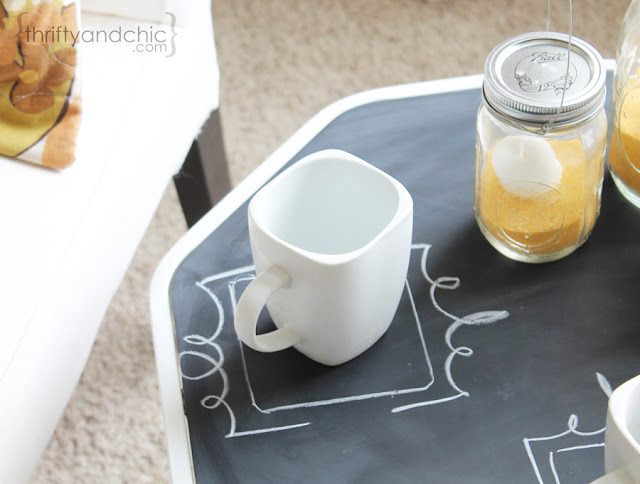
204,177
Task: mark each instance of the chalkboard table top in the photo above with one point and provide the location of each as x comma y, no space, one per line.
492,370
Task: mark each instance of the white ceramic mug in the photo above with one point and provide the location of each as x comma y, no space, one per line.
330,239
622,438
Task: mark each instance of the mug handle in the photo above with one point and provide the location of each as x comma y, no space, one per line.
250,305
619,476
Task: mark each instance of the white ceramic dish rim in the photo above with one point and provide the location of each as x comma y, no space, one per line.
404,207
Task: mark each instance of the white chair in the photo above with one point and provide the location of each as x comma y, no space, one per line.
67,238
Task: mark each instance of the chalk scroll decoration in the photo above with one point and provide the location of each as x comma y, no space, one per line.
546,452
209,350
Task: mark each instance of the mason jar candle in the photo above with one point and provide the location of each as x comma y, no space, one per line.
624,147
540,144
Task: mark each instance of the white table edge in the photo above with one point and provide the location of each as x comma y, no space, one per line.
169,380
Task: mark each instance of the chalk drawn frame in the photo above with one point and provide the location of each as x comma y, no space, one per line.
247,274
337,400
572,430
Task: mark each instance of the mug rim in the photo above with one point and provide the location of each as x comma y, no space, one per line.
404,208
619,412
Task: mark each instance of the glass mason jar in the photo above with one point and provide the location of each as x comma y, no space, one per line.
624,146
540,144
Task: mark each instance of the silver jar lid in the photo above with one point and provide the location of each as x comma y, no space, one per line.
525,79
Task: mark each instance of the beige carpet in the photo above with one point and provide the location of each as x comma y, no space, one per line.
280,61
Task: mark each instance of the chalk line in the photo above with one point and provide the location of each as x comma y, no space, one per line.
338,400
572,428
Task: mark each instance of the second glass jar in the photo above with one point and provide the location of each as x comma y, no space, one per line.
624,148
540,144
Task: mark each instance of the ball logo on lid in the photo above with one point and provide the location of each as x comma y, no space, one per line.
545,71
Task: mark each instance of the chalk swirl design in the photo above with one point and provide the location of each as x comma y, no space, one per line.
213,401
449,283
216,363
591,440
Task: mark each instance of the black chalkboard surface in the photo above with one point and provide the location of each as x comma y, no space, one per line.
492,371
